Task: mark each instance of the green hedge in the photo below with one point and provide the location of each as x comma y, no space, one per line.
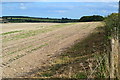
112,24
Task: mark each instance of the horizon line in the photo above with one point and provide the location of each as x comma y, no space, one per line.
52,17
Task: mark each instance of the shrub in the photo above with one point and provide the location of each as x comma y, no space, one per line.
112,24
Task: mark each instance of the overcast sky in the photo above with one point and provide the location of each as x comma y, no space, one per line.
60,0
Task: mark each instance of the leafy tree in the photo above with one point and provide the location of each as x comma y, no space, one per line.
91,18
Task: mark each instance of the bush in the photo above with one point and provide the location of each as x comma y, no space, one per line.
112,23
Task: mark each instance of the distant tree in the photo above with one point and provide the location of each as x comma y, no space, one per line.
91,18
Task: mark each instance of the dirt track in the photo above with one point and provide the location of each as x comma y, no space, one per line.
21,55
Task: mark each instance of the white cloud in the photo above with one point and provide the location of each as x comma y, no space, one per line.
60,0
104,11
22,6
60,11
113,5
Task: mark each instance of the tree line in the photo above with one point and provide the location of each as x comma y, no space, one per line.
21,19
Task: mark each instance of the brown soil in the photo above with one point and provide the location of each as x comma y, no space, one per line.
24,55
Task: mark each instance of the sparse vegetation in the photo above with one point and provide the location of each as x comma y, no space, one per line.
26,34
39,44
36,48
80,76
79,57
10,32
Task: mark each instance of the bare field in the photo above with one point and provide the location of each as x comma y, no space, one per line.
24,26
27,46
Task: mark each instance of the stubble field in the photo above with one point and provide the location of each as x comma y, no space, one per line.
27,46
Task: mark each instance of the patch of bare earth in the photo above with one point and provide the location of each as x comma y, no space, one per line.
21,56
